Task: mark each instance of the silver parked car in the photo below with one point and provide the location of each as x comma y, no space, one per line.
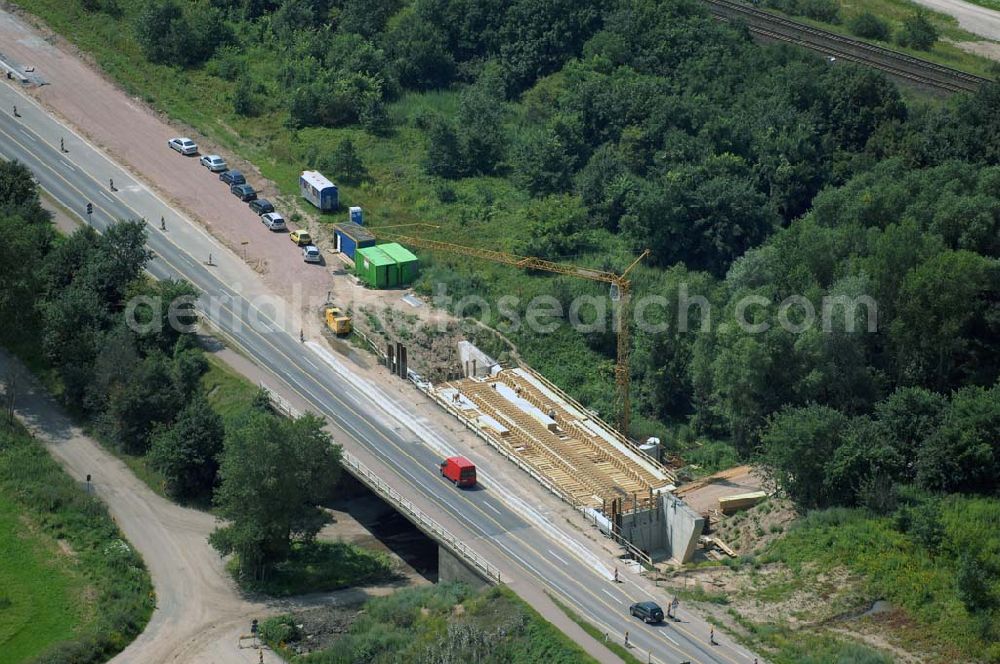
183,145
214,163
310,254
273,221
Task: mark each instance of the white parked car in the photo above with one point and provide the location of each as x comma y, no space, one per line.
273,221
310,254
183,145
214,163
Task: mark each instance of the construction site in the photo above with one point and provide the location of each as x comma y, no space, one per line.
621,487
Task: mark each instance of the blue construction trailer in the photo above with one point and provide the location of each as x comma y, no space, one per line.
319,191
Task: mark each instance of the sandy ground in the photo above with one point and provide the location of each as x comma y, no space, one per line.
703,495
977,20
987,49
200,614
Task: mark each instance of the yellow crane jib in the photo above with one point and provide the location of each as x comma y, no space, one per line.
620,291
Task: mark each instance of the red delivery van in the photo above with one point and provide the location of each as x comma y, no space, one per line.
459,470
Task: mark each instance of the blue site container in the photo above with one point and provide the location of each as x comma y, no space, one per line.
348,238
356,216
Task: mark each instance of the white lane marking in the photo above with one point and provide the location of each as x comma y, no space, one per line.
669,639
106,196
493,508
521,560
67,164
558,557
604,590
29,136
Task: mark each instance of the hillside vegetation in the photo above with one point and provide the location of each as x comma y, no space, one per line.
826,251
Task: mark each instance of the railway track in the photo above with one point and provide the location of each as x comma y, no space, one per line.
894,63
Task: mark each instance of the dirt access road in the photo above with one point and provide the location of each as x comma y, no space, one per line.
200,613
977,20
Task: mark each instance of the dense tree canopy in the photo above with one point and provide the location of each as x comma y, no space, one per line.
273,475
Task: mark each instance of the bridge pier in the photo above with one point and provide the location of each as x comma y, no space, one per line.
453,568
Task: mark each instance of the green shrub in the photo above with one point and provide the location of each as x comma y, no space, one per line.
279,630
821,10
869,26
446,193
917,32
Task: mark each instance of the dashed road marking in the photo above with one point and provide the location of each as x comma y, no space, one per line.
558,557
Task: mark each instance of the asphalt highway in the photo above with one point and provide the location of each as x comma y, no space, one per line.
496,528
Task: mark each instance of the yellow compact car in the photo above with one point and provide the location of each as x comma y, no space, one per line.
300,238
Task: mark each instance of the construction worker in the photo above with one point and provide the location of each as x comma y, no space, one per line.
16,114
711,636
111,184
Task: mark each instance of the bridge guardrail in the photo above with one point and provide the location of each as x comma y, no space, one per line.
370,479
637,553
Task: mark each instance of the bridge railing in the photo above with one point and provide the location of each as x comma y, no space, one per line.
370,479
634,551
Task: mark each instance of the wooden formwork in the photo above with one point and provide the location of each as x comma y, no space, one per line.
580,463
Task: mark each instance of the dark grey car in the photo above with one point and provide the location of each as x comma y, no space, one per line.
232,177
649,612
243,191
261,206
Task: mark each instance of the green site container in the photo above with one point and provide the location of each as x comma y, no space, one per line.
407,264
376,268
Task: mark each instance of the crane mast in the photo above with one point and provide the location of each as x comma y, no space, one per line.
620,284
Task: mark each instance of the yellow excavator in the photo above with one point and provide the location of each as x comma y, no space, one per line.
338,322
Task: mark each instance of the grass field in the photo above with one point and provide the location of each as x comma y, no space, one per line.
989,4
71,588
43,597
229,393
